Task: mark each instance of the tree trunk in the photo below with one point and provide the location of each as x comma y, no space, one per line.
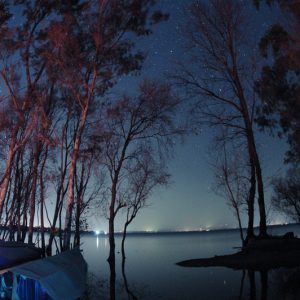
77,224
111,219
112,212
19,184
57,211
70,201
250,203
33,194
42,200
42,216
53,226
240,225
123,240
251,149
60,192
111,234
6,178
261,199
24,227
11,217
260,185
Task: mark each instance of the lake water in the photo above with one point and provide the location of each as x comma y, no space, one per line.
151,273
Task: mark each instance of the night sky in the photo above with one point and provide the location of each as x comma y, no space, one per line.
189,203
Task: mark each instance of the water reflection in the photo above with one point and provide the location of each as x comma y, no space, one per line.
112,288
242,284
112,281
279,284
130,294
150,270
287,281
284,283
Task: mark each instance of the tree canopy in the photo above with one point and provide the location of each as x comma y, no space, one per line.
279,84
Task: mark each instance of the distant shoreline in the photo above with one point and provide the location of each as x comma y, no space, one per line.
168,232
163,232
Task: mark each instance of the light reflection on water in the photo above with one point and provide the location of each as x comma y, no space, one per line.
150,271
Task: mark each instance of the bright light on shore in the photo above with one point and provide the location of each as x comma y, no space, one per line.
97,232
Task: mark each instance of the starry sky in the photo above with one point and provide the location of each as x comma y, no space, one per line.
189,203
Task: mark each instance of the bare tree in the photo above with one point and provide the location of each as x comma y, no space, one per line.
233,179
130,124
220,77
87,190
146,174
58,176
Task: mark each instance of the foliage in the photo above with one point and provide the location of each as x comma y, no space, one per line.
58,59
286,196
279,86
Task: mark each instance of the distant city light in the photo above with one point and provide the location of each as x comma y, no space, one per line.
97,232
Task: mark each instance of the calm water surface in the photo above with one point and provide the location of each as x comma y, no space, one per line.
151,273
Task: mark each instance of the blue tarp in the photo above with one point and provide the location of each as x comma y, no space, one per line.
29,289
62,276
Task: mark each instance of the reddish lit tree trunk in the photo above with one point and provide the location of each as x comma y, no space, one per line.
5,180
77,224
70,201
71,178
42,200
61,190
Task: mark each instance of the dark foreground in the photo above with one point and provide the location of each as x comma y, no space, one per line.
258,255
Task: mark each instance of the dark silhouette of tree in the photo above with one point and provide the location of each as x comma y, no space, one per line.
130,293
145,174
86,191
278,86
233,178
133,124
90,48
286,196
220,79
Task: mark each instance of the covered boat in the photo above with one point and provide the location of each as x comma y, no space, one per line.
15,253
62,276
